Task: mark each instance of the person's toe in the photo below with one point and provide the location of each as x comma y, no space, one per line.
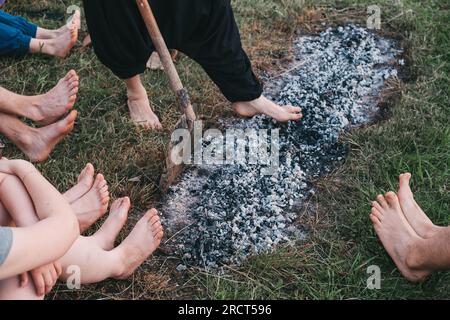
99,181
295,116
392,200
382,201
377,213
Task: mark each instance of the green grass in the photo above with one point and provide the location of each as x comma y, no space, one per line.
332,263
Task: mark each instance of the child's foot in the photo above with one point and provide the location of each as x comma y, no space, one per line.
418,220
141,112
262,105
143,240
52,105
396,234
85,182
93,205
118,214
38,143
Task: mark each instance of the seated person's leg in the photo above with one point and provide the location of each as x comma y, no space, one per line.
121,42
45,108
36,143
75,21
96,257
19,23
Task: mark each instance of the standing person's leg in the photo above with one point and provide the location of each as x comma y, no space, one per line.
44,108
36,143
121,42
139,105
219,51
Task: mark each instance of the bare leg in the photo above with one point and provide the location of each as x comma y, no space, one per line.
418,220
97,264
59,46
262,105
93,205
85,183
36,143
45,108
139,105
10,289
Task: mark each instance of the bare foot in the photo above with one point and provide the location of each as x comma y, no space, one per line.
118,214
418,220
74,22
59,46
93,205
262,105
141,112
396,234
85,182
51,106
38,143
143,240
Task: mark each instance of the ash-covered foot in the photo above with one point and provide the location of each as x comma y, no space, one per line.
107,234
38,143
396,235
262,105
93,205
418,220
52,105
85,182
140,110
143,240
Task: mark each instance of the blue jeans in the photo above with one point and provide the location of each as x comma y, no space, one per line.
15,34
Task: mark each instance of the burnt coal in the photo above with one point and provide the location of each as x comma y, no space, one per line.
221,214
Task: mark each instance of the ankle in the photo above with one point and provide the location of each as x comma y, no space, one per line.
414,257
120,267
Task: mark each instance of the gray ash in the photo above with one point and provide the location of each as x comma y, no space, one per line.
222,214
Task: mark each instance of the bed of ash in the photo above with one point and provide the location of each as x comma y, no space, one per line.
220,214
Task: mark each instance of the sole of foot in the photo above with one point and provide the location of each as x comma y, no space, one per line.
84,184
37,144
55,103
396,235
264,106
108,232
142,241
418,220
93,205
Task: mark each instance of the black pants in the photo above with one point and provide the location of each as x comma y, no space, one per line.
204,30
